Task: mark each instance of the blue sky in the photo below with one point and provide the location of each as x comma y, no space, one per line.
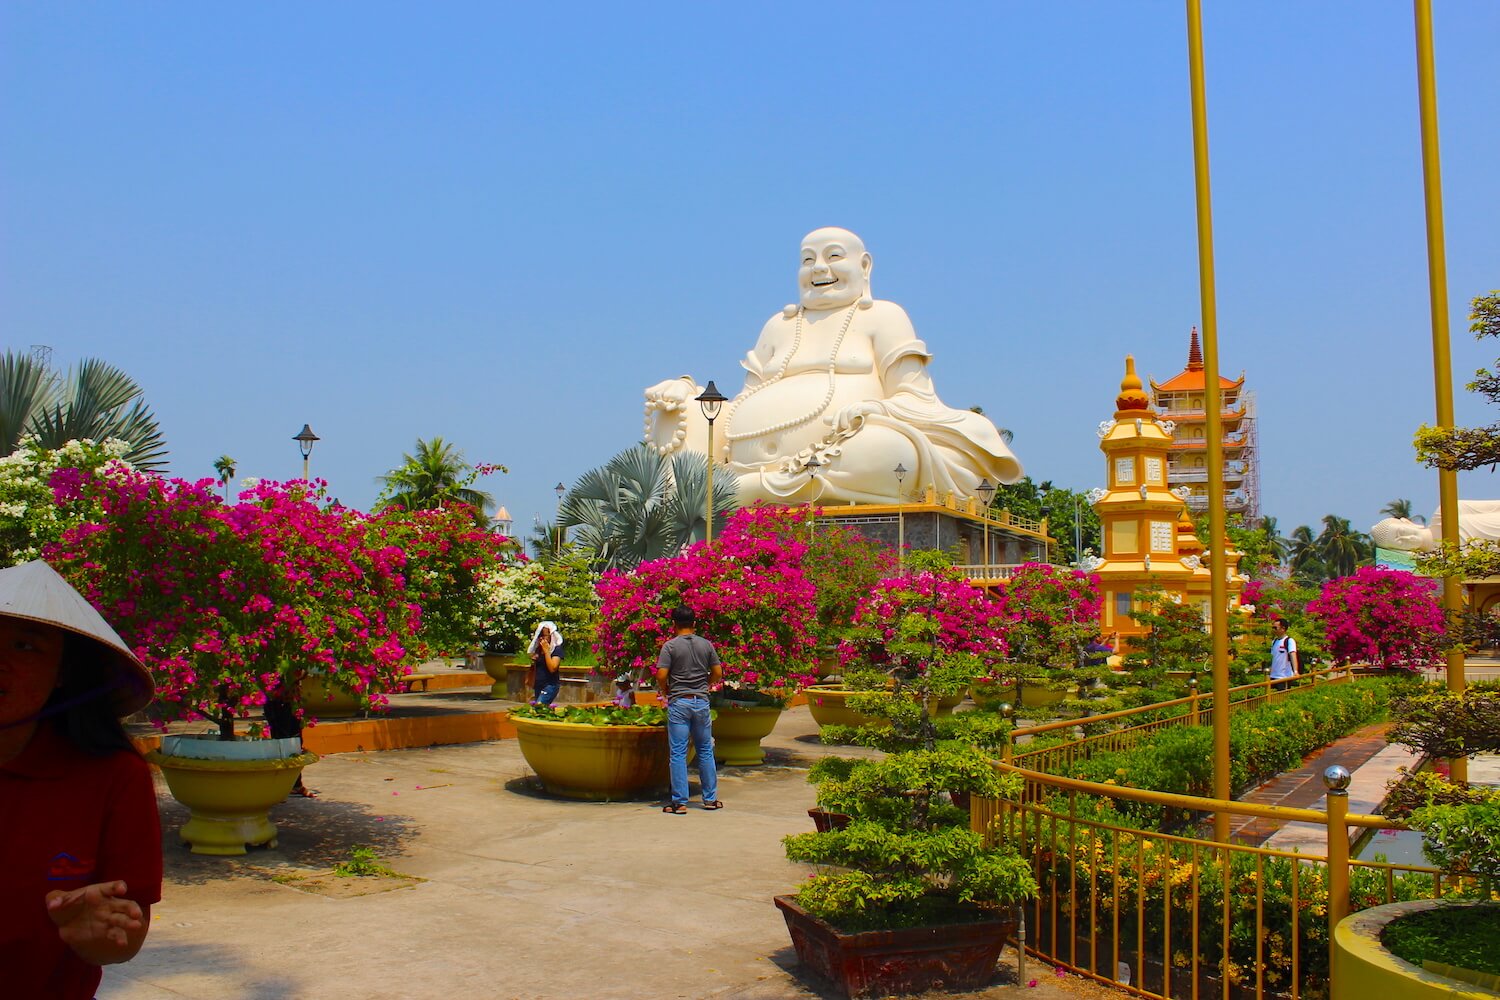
498,223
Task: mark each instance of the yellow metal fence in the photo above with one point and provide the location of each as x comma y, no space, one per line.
1176,915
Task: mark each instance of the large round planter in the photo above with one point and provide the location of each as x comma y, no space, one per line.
602,763
230,800
498,667
829,707
323,700
910,960
1363,968
738,730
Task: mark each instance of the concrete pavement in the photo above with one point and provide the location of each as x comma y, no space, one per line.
524,896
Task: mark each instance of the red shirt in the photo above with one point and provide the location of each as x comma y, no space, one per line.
68,820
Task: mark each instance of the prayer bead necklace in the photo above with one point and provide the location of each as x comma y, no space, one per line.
780,372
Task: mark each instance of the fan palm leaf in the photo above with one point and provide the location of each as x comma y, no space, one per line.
95,400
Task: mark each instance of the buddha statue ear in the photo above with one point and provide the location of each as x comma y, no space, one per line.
866,264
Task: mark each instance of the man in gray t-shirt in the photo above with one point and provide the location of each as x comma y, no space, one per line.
685,671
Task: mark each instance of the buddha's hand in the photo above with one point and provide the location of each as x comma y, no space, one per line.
852,417
666,414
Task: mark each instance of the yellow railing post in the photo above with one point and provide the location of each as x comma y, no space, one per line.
1193,694
1336,779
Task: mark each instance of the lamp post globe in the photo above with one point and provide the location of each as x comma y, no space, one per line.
305,439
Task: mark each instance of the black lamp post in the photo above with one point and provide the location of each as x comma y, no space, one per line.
712,401
559,489
305,441
812,465
900,471
986,491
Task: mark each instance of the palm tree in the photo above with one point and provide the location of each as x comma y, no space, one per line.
95,400
641,506
224,466
1302,552
1276,546
1340,547
436,476
1402,508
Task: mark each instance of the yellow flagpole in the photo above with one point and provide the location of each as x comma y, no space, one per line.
1218,565
1442,361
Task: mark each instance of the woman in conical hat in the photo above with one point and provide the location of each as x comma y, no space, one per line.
80,840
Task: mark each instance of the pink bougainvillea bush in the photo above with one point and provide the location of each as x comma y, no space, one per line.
1051,614
227,604
1389,618
929,616
753,600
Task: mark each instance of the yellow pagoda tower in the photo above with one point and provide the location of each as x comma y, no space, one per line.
1148,537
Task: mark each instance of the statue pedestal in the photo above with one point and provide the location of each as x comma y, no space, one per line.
957,529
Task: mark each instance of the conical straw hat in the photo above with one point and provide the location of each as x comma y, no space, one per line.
36,592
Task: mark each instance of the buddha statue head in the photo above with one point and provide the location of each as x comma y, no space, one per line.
835,269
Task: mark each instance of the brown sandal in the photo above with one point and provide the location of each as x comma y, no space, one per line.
715,804
675,808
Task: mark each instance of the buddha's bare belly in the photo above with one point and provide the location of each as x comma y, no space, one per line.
792,398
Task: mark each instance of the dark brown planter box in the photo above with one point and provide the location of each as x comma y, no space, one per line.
909,960
825,821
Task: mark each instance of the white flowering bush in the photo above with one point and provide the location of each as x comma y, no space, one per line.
41,495
512,601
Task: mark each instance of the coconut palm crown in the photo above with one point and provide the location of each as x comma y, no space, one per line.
436,476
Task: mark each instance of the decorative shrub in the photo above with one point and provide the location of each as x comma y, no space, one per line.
1447,724
512,601
42,494
1051,614
1389,618
908,857
751,596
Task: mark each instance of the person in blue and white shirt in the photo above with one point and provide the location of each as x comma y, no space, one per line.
1285,663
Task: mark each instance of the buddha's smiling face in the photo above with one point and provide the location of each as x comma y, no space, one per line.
835,269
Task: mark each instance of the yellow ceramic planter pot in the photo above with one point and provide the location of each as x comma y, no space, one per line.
498,667
602,763
829,707
1364,969
322,700
230,800
738,731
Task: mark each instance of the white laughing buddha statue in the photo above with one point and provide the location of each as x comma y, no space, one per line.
840,378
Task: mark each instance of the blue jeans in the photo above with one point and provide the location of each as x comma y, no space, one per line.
547,693
689,717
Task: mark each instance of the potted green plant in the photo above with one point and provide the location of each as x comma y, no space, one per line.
911,897
753,601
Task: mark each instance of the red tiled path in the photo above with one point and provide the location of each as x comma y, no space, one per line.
1303,788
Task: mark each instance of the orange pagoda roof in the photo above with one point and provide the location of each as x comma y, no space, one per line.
1192,377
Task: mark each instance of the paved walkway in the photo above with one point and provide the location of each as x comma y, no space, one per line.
522,896
1366,755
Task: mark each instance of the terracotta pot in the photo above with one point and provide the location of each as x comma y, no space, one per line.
230,800
602,763
825,821
738,731
908,960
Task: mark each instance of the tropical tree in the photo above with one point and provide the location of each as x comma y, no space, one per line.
1340,548
224,466
1277,546
1402,508
436,476
642,506
1466,448
1302,555
93,401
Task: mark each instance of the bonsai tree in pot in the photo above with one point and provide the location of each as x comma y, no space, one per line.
909,877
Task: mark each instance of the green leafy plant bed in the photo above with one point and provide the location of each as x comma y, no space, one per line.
1464,936
594,715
